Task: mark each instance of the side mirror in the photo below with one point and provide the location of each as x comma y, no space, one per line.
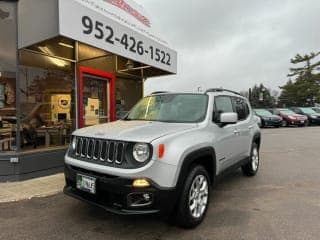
228,118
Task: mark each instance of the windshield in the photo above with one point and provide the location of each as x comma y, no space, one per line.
188,108
287,112
308,110
262,112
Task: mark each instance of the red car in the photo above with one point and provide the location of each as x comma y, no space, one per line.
289,117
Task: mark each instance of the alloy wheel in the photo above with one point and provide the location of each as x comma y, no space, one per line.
198,196
255,159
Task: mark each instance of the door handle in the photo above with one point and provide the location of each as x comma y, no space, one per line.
250,127
236,132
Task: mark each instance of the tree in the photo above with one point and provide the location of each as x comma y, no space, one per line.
260,97
304,90
305,72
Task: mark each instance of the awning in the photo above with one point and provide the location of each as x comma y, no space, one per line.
121,27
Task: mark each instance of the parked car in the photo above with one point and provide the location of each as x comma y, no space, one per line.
165,155
289,117
267,118
313,116
316,109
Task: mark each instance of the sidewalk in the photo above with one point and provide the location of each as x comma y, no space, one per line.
38,187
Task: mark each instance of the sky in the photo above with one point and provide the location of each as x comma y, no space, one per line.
233,44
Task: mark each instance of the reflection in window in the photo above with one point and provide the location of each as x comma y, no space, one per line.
47,101
223,104
8,65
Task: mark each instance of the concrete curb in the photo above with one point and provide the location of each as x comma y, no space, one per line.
25,190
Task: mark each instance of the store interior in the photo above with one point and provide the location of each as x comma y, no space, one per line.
41,109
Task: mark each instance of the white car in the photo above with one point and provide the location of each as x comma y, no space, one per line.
165,155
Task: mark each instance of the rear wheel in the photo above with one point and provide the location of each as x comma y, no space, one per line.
284,123
251,168
194,200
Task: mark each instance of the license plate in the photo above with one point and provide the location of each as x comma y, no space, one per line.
302,121
86,183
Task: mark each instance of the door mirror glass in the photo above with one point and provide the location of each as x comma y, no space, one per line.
228,118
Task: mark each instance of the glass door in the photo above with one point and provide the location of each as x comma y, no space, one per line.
95,100
96,92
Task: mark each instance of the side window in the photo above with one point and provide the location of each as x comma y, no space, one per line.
241,108
222,104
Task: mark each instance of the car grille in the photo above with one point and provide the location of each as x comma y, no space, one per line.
108,151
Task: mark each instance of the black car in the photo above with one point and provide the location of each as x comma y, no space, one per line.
267,118
313,116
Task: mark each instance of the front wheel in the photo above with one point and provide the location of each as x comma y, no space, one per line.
251,168
194,200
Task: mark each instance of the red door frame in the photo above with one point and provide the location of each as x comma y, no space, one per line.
110,77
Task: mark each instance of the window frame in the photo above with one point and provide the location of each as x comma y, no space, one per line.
246,106
214,120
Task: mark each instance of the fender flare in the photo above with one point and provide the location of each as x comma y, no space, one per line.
257,138
198,156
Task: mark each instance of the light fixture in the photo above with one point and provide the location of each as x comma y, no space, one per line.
58,62
141,182
65,45
129,64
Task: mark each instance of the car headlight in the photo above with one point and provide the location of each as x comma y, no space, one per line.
313,116
74,143
141,152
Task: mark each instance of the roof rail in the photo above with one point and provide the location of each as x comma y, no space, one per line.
159,92
221,90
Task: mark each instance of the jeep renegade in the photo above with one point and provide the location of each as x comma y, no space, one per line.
164,155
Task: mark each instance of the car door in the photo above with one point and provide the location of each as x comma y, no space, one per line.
225,137
244,127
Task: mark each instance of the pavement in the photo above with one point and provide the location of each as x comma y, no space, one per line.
282,202
38,187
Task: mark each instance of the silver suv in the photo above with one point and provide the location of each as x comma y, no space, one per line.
164,155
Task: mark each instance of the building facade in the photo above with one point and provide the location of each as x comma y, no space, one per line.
66,65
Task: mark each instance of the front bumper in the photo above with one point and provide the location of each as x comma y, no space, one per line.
315,121
114,194
297,122
272,123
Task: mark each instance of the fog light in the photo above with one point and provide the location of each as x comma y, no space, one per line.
140,183
137,199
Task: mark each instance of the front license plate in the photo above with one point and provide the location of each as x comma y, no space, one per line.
86,183
302,121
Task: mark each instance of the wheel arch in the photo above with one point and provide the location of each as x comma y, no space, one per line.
206,157
257,139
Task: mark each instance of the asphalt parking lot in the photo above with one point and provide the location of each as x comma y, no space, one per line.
281,202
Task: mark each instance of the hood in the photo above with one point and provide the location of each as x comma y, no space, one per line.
315,115
299,116
135,131
272,117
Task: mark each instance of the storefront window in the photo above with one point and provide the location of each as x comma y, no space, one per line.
8,66
47,97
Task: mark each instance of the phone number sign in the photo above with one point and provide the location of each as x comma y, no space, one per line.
86,25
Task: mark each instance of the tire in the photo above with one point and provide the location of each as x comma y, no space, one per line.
284,123
252,167
194,200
